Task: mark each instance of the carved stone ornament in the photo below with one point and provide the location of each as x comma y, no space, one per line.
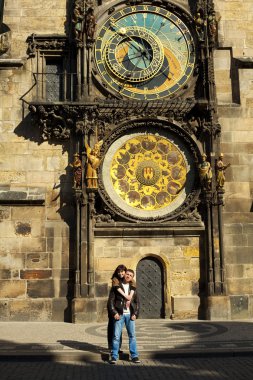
138,189
5,42
46,43
52,123
59,121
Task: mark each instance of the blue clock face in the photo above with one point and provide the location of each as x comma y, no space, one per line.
144,52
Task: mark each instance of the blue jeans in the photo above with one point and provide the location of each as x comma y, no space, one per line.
130,326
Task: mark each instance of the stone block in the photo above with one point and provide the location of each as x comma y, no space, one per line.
238,240
190,251
238,255
19,310
250,306
27,213
109,263
13,196
5,212
84,310
180,265
4,310
238,206
131,251
250,240
237,190
234,271
111,252
61,310
89,317
101,290
239,307
230,217
248,228
239,286
29,244
40,288
40,310
172,252
5,274
12,288
36,260
182,241
102,313
184,307
235,228
63,288
181,288
35,274
23,228
218,308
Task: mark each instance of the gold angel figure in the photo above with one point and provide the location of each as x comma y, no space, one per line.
93,161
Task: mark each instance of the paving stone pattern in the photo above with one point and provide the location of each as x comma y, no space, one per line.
239,368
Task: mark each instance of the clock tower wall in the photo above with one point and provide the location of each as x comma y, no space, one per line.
108,163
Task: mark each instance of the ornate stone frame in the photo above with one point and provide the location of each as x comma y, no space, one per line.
192,199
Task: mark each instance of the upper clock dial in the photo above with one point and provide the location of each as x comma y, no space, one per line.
144,52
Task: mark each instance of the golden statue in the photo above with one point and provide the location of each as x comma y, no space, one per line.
77,168
220,168
205,173
93,161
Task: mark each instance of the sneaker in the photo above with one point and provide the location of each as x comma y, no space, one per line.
136,360
113,361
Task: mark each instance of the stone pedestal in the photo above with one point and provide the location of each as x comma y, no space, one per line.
218,308
87,310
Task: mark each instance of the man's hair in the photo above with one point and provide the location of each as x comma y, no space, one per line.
130,270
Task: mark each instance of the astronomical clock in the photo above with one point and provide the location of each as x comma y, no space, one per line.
144,52
139,109
144,59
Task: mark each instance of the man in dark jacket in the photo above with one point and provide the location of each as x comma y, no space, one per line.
124,312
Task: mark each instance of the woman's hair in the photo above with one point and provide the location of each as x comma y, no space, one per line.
118,269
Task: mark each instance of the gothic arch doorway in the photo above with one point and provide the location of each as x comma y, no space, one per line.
150,286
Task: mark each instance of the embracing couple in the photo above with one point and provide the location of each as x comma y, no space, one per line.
123,309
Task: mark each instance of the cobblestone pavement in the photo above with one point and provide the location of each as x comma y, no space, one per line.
155,338
231,368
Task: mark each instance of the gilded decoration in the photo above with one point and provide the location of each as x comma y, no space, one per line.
148,172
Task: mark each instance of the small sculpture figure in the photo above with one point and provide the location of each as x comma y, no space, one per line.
93,161
77,167
212,24
205,173
77,20
200,24
90,24
220,168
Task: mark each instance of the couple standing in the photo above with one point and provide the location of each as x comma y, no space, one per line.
123,309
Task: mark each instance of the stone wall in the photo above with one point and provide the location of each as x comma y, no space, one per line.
36,211
234,78
35,191
180,259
